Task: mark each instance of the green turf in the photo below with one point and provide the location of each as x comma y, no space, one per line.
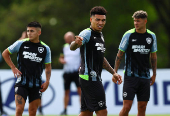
110,115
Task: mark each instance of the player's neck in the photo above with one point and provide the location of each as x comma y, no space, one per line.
95,29
141,30
36,40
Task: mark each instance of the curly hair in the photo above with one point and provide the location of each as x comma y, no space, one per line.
98,10
140,14
34,24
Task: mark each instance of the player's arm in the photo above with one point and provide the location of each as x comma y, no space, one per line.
107,66
116,77
44,86
118,60
154,66
7,58
77,43
61,59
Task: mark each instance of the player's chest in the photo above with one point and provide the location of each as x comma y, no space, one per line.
97,43
144,41
32,52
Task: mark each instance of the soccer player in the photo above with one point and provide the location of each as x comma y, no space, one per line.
71,61
92,49
140,46
31,56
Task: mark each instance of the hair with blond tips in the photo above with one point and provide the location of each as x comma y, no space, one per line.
140,14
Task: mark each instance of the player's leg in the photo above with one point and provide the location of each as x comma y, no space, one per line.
33,106
20,103
34,100
20,98
67,82
86,113
76,80
143,95
142,108
79,93
93,97
66,98
127,104
84,109
101,112
129,89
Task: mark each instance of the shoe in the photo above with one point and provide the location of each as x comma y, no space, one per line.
63,113
40,114
4,115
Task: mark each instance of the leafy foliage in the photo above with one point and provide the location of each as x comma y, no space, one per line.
59,16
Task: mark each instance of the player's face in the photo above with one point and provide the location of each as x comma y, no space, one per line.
33,33
68,38
140,23
98,22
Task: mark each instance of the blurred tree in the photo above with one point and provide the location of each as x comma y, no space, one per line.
163,12
60,16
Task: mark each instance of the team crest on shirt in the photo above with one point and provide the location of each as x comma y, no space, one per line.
148,40
40,49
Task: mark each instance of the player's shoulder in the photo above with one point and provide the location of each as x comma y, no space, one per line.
129,32
44,44
150,32
22,40
85,32
66,45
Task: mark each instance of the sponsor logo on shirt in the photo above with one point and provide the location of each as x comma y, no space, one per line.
32,56
102,38
100,46
133,40
140,48
26,47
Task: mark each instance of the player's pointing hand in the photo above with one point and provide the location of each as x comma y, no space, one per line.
78,40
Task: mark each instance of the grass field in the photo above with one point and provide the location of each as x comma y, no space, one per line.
116,115
109,115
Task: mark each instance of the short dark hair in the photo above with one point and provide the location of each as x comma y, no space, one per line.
140,14
34,24
98,10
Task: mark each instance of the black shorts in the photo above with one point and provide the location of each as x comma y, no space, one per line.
92,95
138,86
70,77
32,93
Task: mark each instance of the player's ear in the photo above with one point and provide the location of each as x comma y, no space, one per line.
39,32
145,21
90,19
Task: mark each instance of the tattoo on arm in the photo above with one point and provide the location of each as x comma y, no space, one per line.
118,60
48,72
19,99
154,63
107,66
